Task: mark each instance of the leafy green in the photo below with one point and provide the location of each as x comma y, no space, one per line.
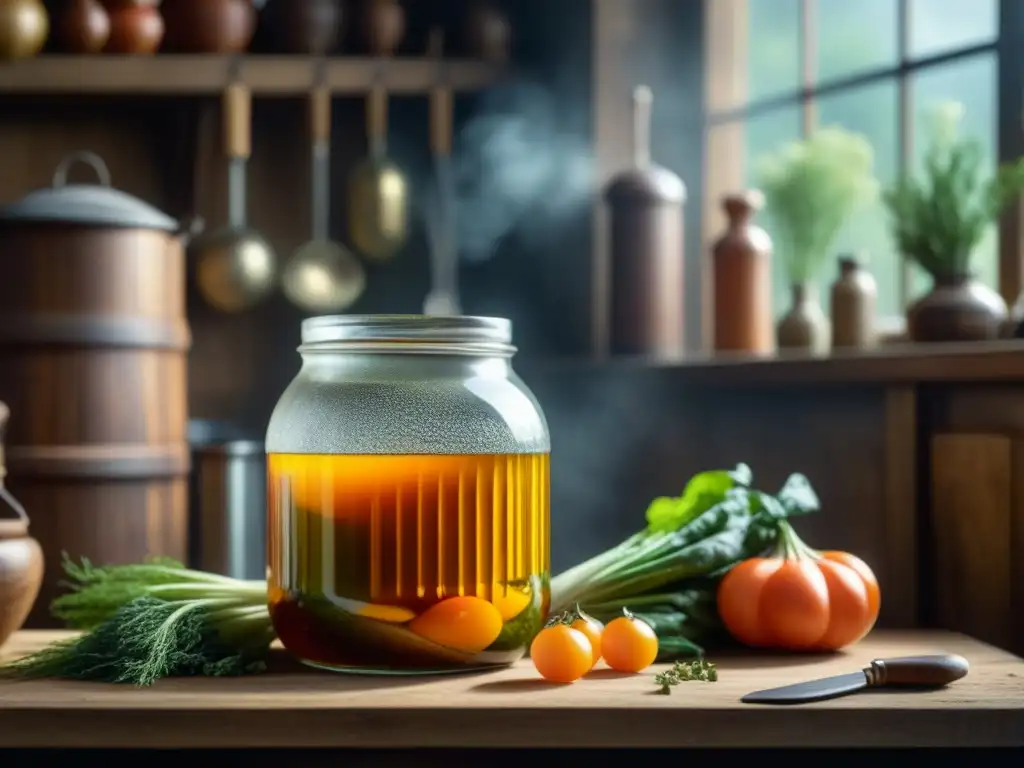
702,492
668,576
152,620
940,215
148,639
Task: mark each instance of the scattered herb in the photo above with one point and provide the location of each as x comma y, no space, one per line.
686,671
667,574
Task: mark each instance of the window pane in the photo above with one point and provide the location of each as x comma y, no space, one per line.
855,36
773,62
764,134
939,26
972,83
871,111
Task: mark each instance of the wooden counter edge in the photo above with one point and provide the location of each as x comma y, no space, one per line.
957,723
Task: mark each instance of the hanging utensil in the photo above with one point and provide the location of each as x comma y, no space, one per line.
378,215
322,276
908,671
235,266
443,298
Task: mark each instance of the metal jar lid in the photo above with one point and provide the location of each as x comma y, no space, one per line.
90,204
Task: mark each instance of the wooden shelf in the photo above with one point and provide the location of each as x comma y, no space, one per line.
995,361
173,75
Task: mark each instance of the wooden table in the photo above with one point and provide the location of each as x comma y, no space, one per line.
294,707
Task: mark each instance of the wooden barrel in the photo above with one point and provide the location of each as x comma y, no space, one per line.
93,363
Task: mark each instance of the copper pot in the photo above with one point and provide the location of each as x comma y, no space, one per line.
311,27
136,26
21,557
208,26
81,26
24,25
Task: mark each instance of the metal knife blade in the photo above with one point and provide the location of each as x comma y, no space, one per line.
815,690
908,671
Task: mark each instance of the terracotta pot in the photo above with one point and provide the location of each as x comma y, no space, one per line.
804,328
135,28
24,26
311,27
81,26
488,34
208,26
383,23
741,268
957,308
21,557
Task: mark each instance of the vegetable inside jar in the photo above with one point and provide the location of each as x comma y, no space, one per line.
408,498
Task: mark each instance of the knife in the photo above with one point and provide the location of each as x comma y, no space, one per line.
907,671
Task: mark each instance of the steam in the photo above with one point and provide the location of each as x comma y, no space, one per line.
514,166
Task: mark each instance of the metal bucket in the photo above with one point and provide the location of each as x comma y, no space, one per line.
229,514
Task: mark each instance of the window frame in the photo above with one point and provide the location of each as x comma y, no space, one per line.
727,107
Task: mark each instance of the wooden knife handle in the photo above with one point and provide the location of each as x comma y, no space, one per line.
929,671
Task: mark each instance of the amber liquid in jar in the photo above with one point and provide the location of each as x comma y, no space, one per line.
405,563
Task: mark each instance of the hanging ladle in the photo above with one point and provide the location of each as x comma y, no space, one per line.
235,266
322,276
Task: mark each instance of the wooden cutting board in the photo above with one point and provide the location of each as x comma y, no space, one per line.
295,707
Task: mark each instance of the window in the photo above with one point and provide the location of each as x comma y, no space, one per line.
778,68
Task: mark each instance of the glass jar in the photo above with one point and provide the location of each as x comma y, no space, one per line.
408,498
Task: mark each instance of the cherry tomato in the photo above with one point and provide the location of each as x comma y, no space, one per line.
561,654
591,629
629,644
467,624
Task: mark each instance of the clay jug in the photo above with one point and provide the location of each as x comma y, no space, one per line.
854,300
488,34
135,27
81,26
208,26
741,269
957,308
21,557
311,27
24,26
804,328
383,26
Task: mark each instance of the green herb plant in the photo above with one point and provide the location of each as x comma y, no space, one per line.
686,671
940,215
811,188
667,574
152,620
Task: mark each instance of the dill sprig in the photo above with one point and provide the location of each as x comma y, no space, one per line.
685,671
153,620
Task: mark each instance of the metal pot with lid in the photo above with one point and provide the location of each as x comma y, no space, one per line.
81,238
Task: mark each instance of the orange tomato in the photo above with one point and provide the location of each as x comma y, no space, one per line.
467,624
798,599
591,628
561,654
629,644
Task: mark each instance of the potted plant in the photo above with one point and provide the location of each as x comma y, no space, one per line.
811,187
938,218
